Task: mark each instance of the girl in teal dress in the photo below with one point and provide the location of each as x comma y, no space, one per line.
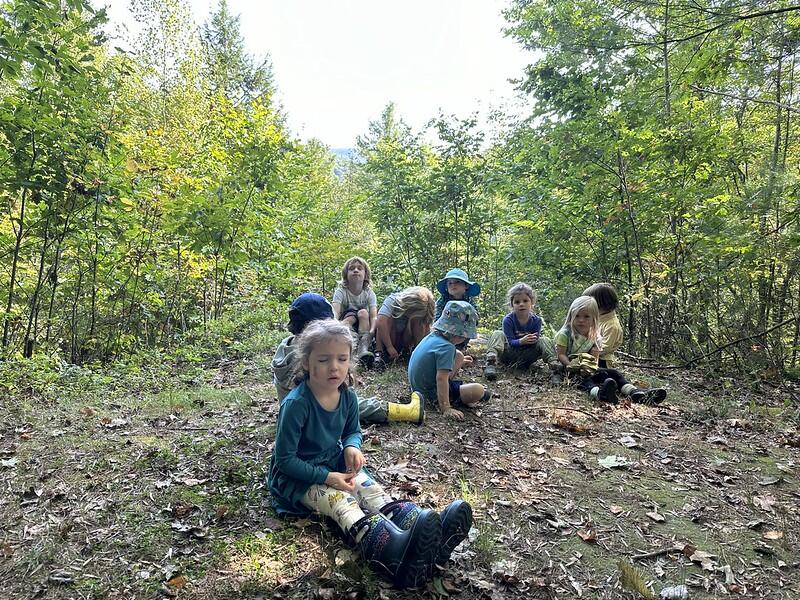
317,467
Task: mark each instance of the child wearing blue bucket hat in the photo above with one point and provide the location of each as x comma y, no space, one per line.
456,285
435,362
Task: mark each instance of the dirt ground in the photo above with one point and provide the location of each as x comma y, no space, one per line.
160,493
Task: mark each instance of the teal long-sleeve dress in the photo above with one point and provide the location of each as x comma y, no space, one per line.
309,444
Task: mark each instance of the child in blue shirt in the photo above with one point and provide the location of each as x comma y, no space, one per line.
520,342
456,285
435,362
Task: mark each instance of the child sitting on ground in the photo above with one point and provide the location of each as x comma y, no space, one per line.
355,303
520,343
610,328
404,319
313,307
317,467
611,331
578,346
436,362
455,285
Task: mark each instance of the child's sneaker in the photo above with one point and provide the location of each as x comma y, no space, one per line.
608,391
649,397
490,370
378,363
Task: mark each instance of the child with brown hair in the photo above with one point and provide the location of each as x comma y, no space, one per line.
317,467
519,343
355,303
404,319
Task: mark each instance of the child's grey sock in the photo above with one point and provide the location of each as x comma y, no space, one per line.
627,389
593,392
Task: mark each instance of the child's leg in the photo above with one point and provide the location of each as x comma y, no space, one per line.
471,394
547,350
339,506
363,321
600,386
350,320
371,496
496,344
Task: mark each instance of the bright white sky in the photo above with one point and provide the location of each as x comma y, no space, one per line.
337,64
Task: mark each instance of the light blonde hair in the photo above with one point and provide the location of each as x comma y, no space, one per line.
319,332
367,272
520,289
415,303
589,304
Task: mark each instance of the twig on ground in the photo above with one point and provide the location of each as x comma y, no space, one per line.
655,553
515,410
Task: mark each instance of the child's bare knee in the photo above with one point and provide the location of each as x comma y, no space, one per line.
363,313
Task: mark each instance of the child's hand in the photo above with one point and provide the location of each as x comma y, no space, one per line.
354,459
393,354
452,413
529,339
468,360
344,482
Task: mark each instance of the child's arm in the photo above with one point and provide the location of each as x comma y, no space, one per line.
351,436
292,418
561,352
373,319
443,395
508,331
383,337
337,309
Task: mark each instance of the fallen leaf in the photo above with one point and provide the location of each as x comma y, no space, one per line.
88,411
178,581
616,510
770,480
220,511
628,441
588,536
9,463
704,558
656,516
613,462
773,535
764,502
191,481
6,550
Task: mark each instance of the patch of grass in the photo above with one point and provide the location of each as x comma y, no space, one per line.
485,545
265,556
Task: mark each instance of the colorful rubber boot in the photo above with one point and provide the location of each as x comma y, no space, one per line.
413,412
404,557
456,523
649,397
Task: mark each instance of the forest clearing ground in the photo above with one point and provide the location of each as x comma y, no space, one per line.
134,494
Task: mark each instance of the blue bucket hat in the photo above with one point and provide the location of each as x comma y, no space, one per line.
473,289
458,318
306,308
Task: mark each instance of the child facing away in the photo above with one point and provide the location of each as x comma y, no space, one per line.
317,467
355,303
436,362
455,285
520,342
404,319
610,328
313,307
578,347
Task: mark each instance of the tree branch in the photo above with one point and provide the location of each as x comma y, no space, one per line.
745,98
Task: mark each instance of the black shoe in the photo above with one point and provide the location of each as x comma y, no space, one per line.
405,557
378,363
456,523
608,391
490,371
649,397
